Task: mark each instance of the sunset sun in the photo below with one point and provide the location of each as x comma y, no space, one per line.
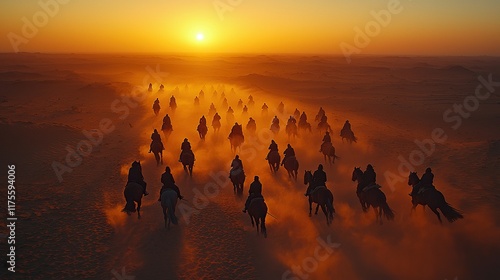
200,37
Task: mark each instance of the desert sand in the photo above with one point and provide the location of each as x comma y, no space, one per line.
71,226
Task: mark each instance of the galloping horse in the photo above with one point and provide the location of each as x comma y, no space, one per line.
348,135
156,108
216,125
291,130
274,159
275,128
292,166
187,160
321,196
157,149
238,181
371,196
202,130
432,198
168,202
236,141
133,194
167,129
258,211
328,150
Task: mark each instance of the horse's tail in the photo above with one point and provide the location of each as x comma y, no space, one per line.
171,214
388,212
329,204
129,207
451,213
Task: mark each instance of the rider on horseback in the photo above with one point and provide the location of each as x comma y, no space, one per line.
236,166
273,147
291,121
347,126
303,118
276,121
289,152
166,120
203,121
156,138
319,179
169,183
216,118
196,101
265,107
186,148
251,123
254,192
426,182
135,176
369,178
230,110
327,140
236,130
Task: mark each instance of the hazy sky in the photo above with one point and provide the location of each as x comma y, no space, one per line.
451,27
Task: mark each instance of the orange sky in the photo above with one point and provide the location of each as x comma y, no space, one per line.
419,27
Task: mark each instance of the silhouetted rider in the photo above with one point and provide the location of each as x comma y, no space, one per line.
169,183
135,176
254,192
289,152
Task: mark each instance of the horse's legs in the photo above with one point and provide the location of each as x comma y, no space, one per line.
165,215
191,170
251,219
380,214
323,208
437,214
139,208
263,226
317,207
257,224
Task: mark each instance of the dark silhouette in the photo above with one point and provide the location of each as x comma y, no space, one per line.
157,147
150,88
212,110
230,115
320,114
237,175
426,194
319,194
323,125
166,127
245,111
201,95
216,122
162,88
251,126
346,133
236,137
290,161
168,182
251,103
202,128
187,157
281,108
168,203
134,189
196,101
275,125
296,114
291,127
240,104
273,157
303,124
135,175
328,149
156,107
264,110
370,195
173,104
257,208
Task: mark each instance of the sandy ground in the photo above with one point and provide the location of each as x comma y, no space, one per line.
74,228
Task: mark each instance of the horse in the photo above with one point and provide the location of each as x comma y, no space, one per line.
258,211
321,196
236,141
275,128
292,166
373,197
238,181
216,125
324,127
133,194
168,202
172,105
187,160
328,150
156,108
291,130
251,127
348,135
202,131
305,126
167,129
274,161
434,199
157,149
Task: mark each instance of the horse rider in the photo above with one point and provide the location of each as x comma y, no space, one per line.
303,118
347,126
291,120
276,121
326,139
230,110
169,183
203,121
135,176
166,120
156,103
185,148
254,192
265,107
273,147
216,118
369,176
318,179
236,130
426,182
251,123
156,138
236,166
288,153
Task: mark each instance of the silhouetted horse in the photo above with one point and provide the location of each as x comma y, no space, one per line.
291,130
173,104
156,108
133,194
348,135
434,199
324,127
292,166
202,131
216,125
274,159
238,182
304,126
157,149
328,150
275,128
168,202
236,140
258,211
372,196
167,129
187,160
321,196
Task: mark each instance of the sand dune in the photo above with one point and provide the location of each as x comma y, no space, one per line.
74,228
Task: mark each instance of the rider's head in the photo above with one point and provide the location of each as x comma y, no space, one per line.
237,157
369,166
320,167
167,169
272,141
155,131
428,169
327,132
256,178
289,146
347,121
185,139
